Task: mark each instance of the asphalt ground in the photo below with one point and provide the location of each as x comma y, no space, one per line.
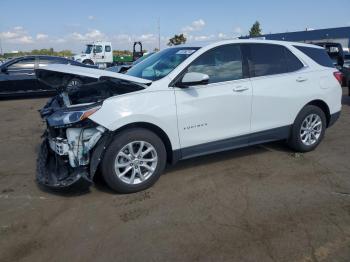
262,203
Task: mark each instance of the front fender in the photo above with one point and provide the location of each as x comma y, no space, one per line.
157,108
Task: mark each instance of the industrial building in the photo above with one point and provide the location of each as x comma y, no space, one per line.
339,35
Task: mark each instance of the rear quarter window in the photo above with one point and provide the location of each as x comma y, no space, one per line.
319,55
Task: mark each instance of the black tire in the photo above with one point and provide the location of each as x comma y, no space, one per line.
295,141
120,141
88,62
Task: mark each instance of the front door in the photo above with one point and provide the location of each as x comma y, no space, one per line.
98,54
215,116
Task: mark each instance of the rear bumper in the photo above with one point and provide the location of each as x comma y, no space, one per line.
54,172
334,117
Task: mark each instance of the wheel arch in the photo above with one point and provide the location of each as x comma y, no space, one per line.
88,60
323,106
171,155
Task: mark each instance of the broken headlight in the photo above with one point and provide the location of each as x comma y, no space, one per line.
66,117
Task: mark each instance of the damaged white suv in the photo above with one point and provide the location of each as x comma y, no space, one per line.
183,102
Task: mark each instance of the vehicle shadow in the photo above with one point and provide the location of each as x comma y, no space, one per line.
73,191
183,165
230,154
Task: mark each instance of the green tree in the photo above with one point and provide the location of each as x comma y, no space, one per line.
44,51
177,40
255,30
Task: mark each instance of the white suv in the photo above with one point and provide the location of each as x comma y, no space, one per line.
180,103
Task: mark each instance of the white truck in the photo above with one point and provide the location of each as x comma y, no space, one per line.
96,53
100,53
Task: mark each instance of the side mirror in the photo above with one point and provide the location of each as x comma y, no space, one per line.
4,70
193,79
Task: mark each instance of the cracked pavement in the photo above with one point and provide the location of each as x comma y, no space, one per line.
262,203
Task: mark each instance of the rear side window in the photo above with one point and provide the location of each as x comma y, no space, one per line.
266,59
319,55
222,64
25,64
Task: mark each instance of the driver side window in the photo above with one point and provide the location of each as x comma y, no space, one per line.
221,64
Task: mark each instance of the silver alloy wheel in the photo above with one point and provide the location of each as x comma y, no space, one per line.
311,129
136,162
73,83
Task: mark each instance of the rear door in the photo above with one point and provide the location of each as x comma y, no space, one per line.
278,83
19,77
108,54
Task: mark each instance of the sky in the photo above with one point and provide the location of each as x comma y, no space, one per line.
63,24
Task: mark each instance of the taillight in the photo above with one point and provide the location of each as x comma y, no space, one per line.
339,76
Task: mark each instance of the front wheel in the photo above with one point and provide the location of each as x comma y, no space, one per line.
134,161
308,129
88,62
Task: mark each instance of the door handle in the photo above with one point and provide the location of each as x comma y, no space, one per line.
240,88
301,79
30,74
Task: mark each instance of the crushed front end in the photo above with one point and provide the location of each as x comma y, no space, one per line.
72,146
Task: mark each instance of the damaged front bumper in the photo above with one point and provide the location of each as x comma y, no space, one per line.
71,160
54,172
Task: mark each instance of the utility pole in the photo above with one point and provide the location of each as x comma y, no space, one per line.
159,34
1,53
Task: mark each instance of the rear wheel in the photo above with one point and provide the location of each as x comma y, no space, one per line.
134,161
308,129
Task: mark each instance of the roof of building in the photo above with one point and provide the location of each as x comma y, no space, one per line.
331,33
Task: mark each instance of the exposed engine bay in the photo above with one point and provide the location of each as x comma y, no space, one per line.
73,145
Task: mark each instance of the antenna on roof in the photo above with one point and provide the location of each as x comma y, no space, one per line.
0,47
158,33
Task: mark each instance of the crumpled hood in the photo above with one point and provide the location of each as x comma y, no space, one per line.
89,72
97,85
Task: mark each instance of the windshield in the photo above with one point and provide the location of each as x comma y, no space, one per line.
142,58
88,49
162,63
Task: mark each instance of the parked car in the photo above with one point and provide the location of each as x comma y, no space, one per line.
346,71
126,67
185,102
340,60
335,52
17,77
